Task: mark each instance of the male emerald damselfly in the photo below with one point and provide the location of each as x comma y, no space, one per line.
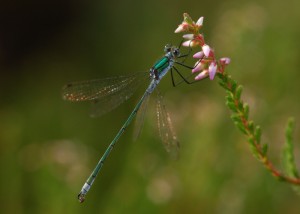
108,93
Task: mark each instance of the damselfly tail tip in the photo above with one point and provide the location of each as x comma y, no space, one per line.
81,197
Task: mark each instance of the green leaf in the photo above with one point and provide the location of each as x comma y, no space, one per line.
229,98
220,75
225,78
289,130
233,85
251,126
241,106
264,149
231,106
223,84
288,150
236,118
257,134
230,94
246,111
240,127
187,18
238,92
251,140
254,151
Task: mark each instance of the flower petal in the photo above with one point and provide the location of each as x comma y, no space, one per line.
179,29
212,69
188,36
200,21
198,55
206,50
190,43
202,75
199,67
225,61
187,43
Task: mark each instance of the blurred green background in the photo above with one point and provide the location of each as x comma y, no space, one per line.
49,146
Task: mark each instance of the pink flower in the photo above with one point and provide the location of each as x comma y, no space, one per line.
202,75
182,27
199,23
198,67
208,67
212,69
199,55
188,25
193,40
190,43
208,52
188,36
205,72
224,61
207,64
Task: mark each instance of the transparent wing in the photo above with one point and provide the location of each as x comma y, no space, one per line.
109,102
165,128
99,88
139,122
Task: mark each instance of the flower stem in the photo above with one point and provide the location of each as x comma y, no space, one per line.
240,117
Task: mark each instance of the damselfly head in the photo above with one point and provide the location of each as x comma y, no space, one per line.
167,48
173,50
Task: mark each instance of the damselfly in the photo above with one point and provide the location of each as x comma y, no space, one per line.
107,94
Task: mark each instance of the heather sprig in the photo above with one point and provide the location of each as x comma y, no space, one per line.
209,66
240,117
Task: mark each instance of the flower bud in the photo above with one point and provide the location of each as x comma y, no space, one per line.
198,67
190,43
202,75
188,36
179,29
200,21
212,69
198,55
225,61
208,52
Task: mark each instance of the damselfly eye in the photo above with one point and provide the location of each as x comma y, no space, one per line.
176,52
167,48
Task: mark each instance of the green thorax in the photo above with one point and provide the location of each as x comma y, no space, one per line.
161,64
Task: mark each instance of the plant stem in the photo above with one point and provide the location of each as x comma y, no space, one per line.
257,149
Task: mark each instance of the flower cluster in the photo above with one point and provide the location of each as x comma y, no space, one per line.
207,64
